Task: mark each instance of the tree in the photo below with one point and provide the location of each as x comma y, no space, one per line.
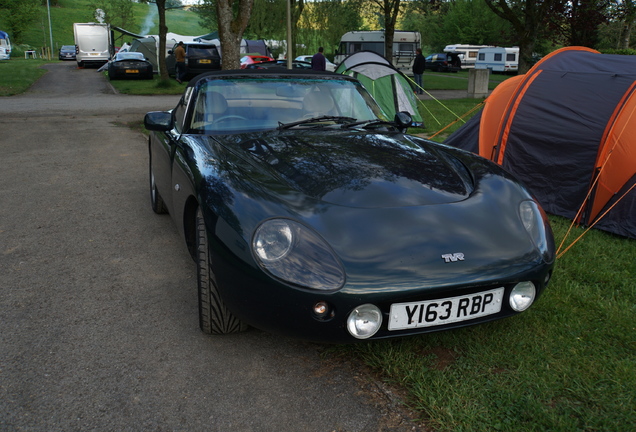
267,20
390,10
625,13
231,27
19,14
116,12
529,18
231,18
323,23
585,17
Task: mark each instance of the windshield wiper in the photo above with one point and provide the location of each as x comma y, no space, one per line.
367,124
321,119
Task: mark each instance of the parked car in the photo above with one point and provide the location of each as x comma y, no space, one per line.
253,59
129,65
312,215
307,58
200,58
443,62
67,52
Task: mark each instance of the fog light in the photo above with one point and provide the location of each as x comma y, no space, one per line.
321,310
364,321
522,296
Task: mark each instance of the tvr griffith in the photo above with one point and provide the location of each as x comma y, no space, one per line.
310,213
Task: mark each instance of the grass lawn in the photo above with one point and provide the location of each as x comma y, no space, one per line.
18,75
154,86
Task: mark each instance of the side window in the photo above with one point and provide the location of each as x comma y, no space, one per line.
498,57
482,56
180,111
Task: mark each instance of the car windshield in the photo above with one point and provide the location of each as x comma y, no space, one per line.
129,56
237,104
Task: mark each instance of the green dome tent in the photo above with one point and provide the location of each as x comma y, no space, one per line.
388,86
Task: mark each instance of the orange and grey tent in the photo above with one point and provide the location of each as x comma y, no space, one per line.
567,129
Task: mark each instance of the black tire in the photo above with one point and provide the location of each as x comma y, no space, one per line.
214,316
157,203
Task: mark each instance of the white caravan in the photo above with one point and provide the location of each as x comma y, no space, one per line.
5,46
404,45
467,53
92,43
498,59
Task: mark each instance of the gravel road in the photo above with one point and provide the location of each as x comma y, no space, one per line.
98,308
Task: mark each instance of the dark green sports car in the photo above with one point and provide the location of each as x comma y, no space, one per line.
311,214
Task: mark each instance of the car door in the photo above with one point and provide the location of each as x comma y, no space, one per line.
162,151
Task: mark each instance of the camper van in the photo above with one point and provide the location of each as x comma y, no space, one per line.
404,45
5,46
467,53
92,43
498,59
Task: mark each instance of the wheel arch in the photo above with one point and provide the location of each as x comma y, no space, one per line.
190,225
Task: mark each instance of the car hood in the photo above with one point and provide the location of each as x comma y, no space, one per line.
363,170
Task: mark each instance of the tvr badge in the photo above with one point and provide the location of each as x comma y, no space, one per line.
453,257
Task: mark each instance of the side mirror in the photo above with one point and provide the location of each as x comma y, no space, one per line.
160,121
403,120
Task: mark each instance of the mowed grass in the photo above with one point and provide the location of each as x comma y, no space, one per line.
155,86
566,364
19,74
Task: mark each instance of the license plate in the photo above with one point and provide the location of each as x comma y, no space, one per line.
132,71
93,54
206,61
445,311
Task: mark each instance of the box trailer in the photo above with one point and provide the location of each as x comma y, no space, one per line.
93,43
467,53
404,45
498,59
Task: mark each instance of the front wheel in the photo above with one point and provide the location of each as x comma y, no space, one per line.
214,316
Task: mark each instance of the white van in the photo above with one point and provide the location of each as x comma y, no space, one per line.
404,45
92,43
498,59
467,53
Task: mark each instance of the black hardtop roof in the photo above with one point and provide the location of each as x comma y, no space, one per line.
269,73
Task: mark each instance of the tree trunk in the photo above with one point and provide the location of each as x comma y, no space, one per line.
626,35
163,31
231,30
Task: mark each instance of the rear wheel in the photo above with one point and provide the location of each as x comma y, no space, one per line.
214,317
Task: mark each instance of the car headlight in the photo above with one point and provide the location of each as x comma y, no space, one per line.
293,253
536,224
